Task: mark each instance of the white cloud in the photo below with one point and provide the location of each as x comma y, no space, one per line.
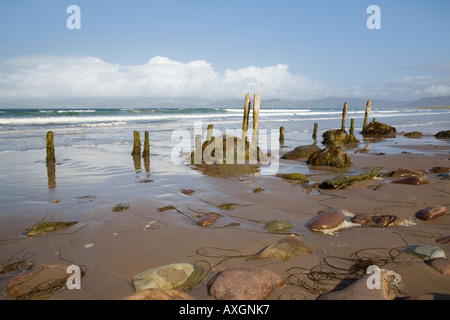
90,77
48,77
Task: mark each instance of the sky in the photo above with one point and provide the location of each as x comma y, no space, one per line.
211,49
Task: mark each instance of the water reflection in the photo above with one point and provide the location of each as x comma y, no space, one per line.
51,174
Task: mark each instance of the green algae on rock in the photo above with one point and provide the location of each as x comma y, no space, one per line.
293,176
172,276
413,135
46,227
338,137
379,129
443,134
283,249
165,208
278,225
345,179
300,152
426,252
332,157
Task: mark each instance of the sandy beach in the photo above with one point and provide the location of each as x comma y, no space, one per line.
113,245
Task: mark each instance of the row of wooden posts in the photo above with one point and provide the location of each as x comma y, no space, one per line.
256,106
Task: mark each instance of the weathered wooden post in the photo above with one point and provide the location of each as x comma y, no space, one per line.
366,117
344,114
352,127
256,105
248,100
137,144
146,152
198,151
209,133
282,136
315,132
50,146
50,159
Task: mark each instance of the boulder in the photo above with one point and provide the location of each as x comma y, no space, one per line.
172,276
431,213
440,264
413,135
360,290
443,135
413,180
405,172
244,283
426,252
283,249
338,137
379,129
300,152
216,152
333,157
326,220
345,179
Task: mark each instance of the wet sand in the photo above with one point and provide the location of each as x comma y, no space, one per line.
115,246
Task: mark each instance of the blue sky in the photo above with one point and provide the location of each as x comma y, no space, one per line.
223,49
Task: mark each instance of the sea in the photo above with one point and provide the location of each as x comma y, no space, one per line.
25,129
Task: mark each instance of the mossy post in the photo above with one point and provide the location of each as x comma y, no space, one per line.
344,114
209,133
352,127
256,105
198,152
248,101
137,144
50,146
146,152
282,136
366,117
315,132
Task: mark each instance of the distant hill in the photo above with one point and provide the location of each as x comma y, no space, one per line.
226,103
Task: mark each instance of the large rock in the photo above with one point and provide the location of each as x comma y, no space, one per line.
360,289
332,157
326,220
338,137
172,276
283,249
440,264
345,179
413,180
244,283
443,135
300,152
379,129
413,135
406,172
426,252
431,213
216,152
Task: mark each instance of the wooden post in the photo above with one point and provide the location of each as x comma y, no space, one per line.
198,152
209,133
50,146
282,136
366,117
352,127
137,144
315,132
256,105
146,152
344,114
248,100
